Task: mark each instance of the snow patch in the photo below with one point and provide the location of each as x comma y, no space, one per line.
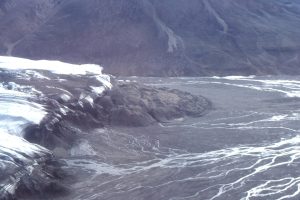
13,144
98,90
14,105
57,67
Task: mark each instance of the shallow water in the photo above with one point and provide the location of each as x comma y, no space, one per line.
246,147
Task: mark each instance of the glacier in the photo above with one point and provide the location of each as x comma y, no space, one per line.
22,104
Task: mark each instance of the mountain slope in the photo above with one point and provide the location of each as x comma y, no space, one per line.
157,38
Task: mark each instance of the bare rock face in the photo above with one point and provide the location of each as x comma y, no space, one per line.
140,105
157,38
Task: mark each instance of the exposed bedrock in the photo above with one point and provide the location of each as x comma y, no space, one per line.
140,105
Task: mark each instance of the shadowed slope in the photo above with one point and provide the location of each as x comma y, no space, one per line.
157,38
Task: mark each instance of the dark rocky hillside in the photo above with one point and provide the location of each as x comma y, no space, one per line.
157,37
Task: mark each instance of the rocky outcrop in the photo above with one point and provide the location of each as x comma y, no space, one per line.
140,105
157,38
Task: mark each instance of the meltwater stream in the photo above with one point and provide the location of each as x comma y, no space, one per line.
247,147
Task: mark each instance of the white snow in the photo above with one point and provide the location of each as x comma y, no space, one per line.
98,90
14,105
238,77
56,67
293,94
13,144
